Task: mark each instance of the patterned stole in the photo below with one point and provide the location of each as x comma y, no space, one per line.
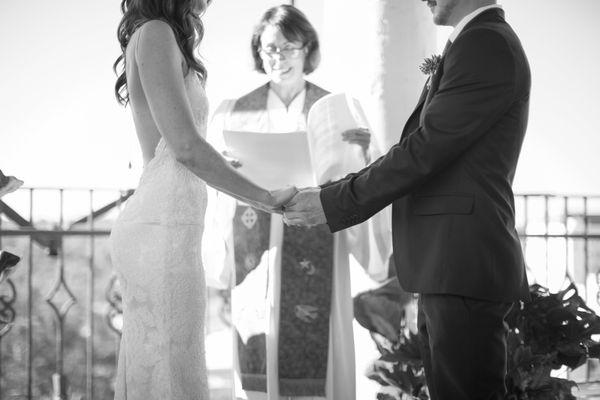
306,284
306,281
251,229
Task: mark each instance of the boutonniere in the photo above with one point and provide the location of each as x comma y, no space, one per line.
430,66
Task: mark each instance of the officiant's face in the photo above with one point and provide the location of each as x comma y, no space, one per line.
283,60
442,10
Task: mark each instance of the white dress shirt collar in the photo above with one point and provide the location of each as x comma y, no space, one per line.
468,18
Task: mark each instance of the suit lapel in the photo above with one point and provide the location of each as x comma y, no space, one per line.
492,15
431,85
435,82
416,111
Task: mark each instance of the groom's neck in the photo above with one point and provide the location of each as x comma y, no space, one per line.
466,7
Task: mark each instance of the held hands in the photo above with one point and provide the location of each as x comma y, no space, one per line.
281,197
305,208
299,207
275,200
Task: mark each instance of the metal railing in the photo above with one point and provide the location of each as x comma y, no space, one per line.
560,237
23,233
64,255
561,234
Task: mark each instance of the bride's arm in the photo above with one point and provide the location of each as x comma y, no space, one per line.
160,62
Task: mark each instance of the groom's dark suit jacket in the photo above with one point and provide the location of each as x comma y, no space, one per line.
449,178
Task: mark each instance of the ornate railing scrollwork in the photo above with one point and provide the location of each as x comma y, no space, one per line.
8,262
114,315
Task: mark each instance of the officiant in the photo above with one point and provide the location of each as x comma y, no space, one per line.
291,302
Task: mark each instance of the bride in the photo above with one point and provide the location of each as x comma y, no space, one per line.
155,243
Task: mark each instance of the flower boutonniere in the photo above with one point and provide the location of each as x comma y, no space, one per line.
430,66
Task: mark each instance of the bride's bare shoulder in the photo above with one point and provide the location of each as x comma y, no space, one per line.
156,39
156,27
155,34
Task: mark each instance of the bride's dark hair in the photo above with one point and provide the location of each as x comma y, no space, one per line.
181,15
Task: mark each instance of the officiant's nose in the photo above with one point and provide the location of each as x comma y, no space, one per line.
274,56
274,59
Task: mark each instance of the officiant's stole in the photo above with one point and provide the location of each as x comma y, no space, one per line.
306,280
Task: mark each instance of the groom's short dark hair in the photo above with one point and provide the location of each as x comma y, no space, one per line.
295,27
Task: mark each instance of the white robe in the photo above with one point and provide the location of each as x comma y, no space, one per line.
358,241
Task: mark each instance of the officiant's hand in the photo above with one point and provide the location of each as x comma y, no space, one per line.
361,137
235,163
305,209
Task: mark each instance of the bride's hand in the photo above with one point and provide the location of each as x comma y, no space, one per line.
281,197
275,200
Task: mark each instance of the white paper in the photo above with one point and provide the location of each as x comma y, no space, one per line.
332,157
272,160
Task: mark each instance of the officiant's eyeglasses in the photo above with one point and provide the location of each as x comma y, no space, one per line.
286,52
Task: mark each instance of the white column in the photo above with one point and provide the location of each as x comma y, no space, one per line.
405,35
372,49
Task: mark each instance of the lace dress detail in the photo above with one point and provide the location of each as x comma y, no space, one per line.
156,252
167,193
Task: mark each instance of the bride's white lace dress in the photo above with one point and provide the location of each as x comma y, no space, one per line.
156,251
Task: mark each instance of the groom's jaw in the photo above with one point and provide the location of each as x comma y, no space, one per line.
436,11
446,12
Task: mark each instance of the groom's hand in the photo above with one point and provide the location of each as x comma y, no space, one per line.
305,209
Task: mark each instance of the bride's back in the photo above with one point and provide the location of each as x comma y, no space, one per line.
168,192
146,127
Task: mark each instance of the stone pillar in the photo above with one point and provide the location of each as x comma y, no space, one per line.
372,49
405,35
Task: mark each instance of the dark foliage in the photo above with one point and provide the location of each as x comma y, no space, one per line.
550,331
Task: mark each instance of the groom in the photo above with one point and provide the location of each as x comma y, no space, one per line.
449,180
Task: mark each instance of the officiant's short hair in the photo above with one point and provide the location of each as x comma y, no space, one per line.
295,27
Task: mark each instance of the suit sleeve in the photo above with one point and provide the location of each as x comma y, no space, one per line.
477,87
